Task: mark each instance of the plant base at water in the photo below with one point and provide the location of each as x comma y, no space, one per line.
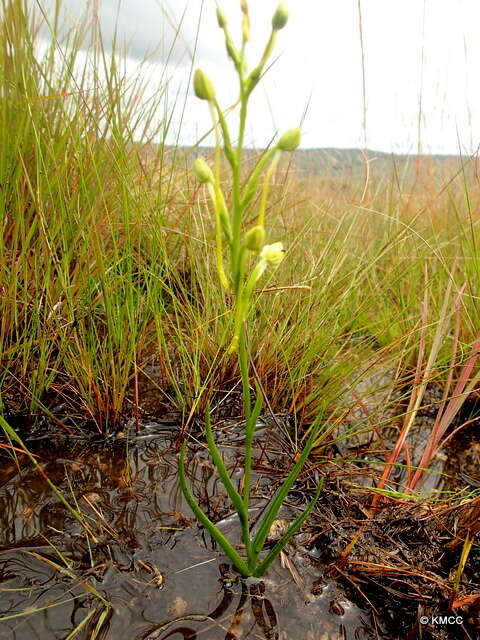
160,573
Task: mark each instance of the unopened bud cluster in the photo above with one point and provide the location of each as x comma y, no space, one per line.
250,255
229,220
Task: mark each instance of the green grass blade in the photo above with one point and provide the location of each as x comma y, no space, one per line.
12,434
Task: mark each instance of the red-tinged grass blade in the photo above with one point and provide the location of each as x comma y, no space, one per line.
465,385
10,447
423,375
414,403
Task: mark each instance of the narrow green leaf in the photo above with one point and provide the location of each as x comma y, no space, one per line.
281,494
213,530
291,531
241,508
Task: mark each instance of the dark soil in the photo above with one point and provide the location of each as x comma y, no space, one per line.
164,578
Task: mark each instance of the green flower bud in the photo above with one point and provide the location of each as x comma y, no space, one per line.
290,140
246,29
202,171
202,86
272,254
221,18
245,21
255,238
232,52
280,17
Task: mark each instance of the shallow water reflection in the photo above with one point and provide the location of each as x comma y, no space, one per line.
159,572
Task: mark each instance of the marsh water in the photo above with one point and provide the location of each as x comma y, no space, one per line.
158,571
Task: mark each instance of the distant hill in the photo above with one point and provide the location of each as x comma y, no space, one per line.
313,162
342,163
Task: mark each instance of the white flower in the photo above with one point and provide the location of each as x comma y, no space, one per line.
273,253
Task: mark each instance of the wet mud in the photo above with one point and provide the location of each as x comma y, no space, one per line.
157,570
145,570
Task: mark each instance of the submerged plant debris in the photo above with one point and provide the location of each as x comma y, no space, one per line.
160,577
153,565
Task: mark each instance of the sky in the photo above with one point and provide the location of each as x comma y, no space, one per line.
420,64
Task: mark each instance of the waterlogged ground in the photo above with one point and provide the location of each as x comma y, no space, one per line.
146,571
156,571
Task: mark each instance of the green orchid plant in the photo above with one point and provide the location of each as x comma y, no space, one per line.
249,256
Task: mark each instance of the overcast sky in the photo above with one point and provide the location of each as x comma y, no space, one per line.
419,56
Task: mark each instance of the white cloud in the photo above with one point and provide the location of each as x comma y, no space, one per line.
405,56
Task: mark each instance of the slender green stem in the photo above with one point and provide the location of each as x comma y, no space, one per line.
241,300
237,230
238,209
250,426
250,189
256,74
243,122
227,143
265,189
243,362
